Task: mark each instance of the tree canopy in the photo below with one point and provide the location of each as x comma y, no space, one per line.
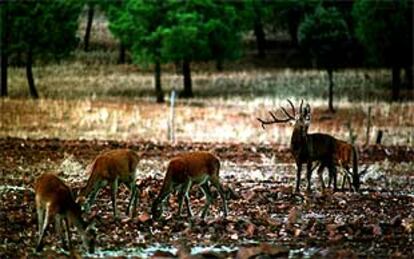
324,34
173,31
42,30
385,28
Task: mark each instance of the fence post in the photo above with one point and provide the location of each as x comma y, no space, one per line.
171,133
368,126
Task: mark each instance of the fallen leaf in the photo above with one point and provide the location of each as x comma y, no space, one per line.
144,217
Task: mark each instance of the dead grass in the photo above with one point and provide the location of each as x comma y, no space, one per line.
75,79
89,97
213,121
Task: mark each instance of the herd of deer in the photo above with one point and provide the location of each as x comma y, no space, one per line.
55,199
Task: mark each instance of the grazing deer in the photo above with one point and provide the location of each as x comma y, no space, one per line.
54,199
185,170
317,147
345,156
112,168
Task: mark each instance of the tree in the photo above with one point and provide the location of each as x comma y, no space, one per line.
4,20
139,24
200,30
42,30
91,12
385,28
113,10
172,31
289,15
324,34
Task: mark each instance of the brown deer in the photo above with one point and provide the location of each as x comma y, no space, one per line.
54,199
308,148
345,156
112,168
186,170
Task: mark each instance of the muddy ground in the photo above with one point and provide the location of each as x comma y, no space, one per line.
265,218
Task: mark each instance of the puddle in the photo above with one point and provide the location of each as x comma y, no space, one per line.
311,252
149,251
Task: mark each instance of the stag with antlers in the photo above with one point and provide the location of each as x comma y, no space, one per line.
308,148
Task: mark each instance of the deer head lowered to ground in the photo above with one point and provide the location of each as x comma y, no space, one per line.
308,148
54,200
184,171
112,168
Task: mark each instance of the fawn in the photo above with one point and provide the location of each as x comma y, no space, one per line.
185,170
54,199
112,168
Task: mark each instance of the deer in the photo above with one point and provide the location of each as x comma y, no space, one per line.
112,168
317,147
54,199
345,156
184,171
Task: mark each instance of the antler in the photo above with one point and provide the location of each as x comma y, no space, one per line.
293,110
277,120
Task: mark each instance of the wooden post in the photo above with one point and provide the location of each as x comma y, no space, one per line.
368,126
352,135
171,133
379,137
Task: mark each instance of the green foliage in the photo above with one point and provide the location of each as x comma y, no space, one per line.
201,30
139,23
324,34
289,14
47,28
173,30
385,28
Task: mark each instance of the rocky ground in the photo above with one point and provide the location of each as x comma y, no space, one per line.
265,217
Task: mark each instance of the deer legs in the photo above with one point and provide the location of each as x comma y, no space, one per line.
308,176
59,229
299,166
113,196
133,200
184,195
42,218
216,182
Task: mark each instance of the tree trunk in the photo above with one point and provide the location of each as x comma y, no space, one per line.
29,74
3,72
396,82
188,89
91,11
178,67
122,50
219,64
3,49
409,77
260,37
331,84
158,90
